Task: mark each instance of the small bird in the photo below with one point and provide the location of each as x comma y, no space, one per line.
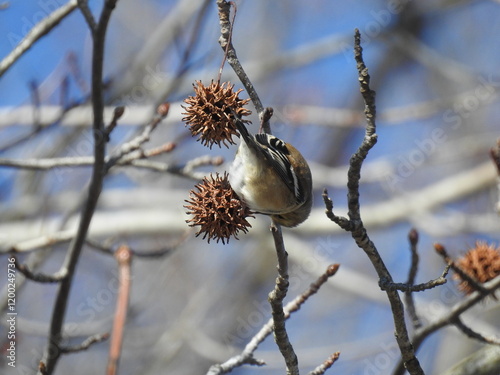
271,177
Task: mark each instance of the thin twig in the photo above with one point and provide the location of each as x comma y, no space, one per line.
450,317
186,61
51,356
47,163
146,254
321,369
38,277
76,73
276,297
469,332
441,250
313,289
144,136
234,362
163,149
355,224
85,344
341,221
226,43
409,288
39,242
117,114
44,125
186,170
124,258
495,157
246,356
38,31
87,14
359,232
35,100
412,274
86,161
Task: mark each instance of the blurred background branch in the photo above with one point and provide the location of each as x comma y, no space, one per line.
194,305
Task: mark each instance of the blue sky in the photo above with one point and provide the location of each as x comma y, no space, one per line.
441,53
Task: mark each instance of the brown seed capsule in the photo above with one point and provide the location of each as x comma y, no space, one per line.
209,113
217,210
481,263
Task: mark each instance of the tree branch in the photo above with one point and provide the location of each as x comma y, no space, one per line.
486,361
276,298
38,277
321,369
85,344
137,158
441,250
226,43
38,31
51,356
246,356
355,225
410,288
135,143
124,258
412,274
469,332
450,318
147,254
87,14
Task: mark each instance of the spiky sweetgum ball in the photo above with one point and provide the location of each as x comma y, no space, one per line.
481,263
217,210
209,112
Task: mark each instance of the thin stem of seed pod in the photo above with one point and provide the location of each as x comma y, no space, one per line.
224,8
228,44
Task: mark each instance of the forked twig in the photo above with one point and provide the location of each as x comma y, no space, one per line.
246,356
354,223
